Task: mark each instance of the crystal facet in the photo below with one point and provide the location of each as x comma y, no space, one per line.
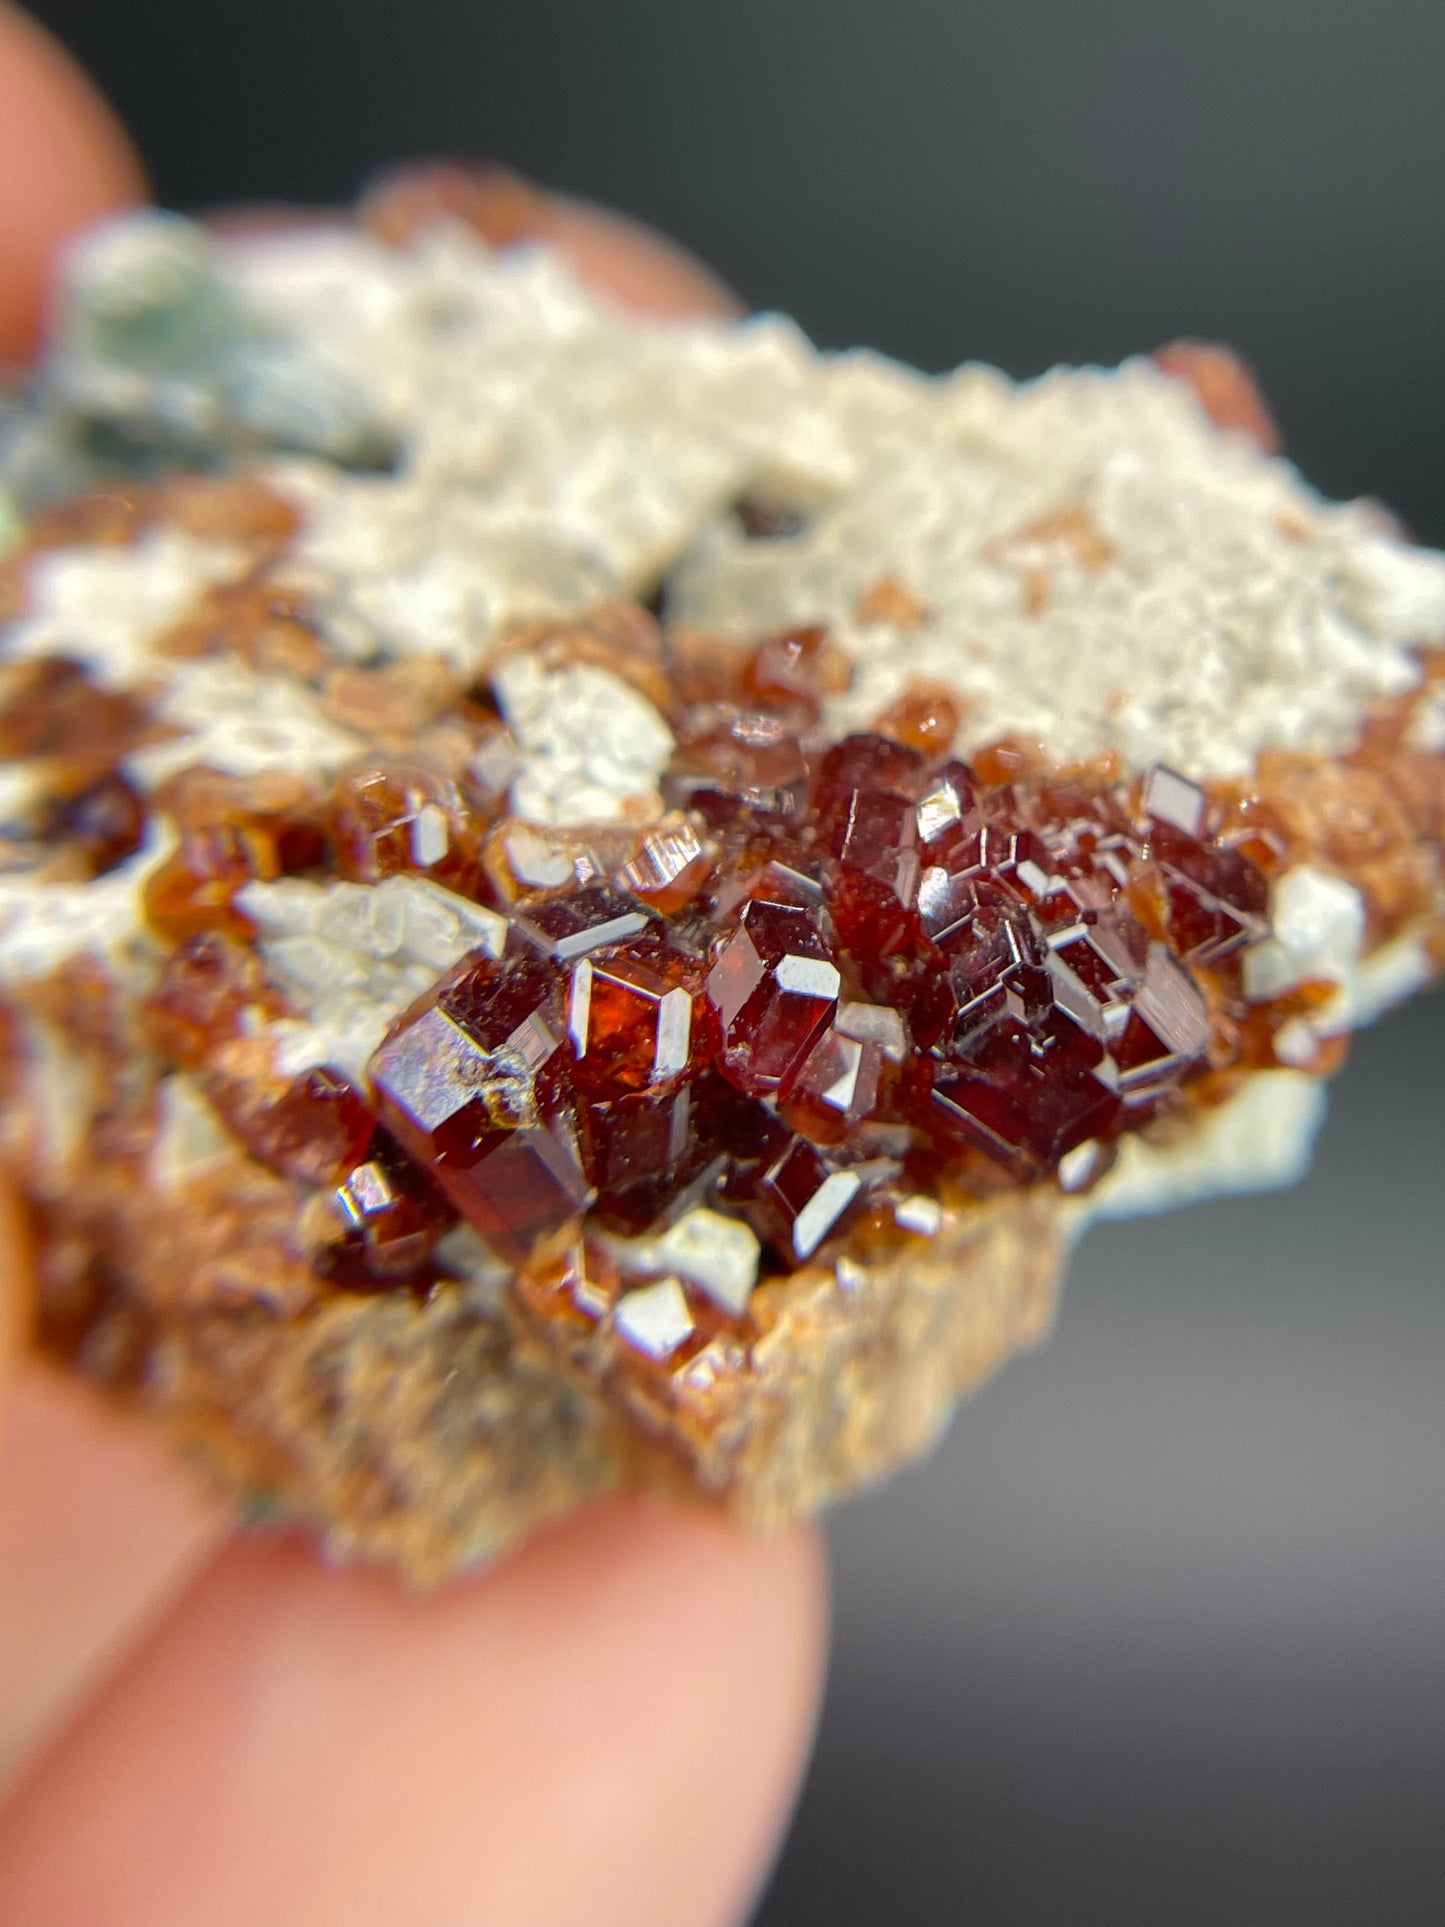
461,1085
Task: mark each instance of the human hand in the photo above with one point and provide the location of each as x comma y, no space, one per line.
609,1727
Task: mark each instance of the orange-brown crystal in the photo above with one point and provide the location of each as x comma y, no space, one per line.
390,815
407,202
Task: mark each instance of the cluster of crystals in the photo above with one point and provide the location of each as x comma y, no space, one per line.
883,970
389,815
834,976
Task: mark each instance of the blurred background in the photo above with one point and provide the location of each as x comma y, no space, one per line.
1159,1635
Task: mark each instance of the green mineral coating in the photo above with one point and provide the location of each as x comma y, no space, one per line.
280,396
159,358
147,294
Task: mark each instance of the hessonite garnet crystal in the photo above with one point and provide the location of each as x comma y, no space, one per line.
587,904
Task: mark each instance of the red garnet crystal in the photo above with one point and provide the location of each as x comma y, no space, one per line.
750,759
669,869
232,832
801,1198
835,1087
311,1127
790,671
195,888
103,823
1027,1094
207,989
568,926
461,1082
640,1031
775,988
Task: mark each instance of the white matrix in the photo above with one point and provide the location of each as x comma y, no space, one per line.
1102,569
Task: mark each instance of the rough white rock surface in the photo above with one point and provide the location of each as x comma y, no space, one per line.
1427,731
1318,931
590,744
1102,568
45,925
231,718
1260,1140
106,607
190,1138
718,1254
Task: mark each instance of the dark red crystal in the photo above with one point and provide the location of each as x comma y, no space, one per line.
802,1198
639,1032
639,1152
790,672
570,925
461,1083
631,1016
311,1127
1027,1094
196,887
1217,898
390,1216
834,1089
52,709
775,988
106,821
870,766
670,868
749,760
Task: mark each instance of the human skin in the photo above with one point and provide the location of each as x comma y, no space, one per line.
608,1727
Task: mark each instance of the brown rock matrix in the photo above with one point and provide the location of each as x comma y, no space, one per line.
460,1063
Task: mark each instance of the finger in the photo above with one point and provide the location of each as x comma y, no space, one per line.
99,1532
63,163
636,265
95,1530
608,1729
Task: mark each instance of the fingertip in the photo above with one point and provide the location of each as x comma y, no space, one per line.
100,1531
64,161
610,1727
636,265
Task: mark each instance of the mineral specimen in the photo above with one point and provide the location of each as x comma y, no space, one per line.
470,1042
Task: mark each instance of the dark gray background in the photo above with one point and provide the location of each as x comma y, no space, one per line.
1159,1636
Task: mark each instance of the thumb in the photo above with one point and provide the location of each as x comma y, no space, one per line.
64,162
